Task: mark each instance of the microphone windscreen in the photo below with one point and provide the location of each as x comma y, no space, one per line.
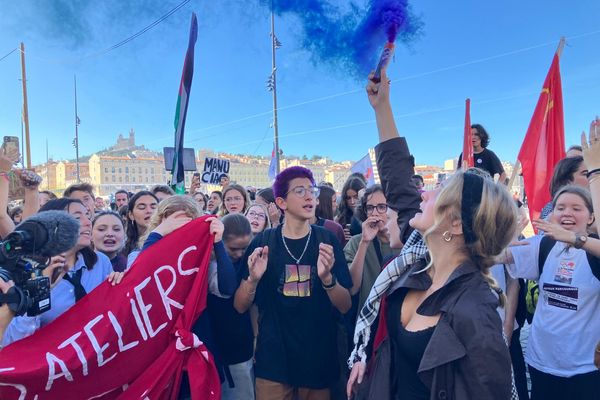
51,233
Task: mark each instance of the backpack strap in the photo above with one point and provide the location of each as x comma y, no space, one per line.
546,244
269,238
594,261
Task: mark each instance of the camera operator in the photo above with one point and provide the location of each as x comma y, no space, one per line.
72,274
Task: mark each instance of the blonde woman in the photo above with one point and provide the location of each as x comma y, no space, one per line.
439,334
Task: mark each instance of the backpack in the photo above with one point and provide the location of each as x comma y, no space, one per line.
533,289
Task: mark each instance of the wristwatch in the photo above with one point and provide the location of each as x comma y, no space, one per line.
580,240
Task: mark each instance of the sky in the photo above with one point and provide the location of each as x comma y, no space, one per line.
496,53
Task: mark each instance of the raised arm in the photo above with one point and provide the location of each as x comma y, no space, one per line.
379,97
6,163
31,183
394,162
257,265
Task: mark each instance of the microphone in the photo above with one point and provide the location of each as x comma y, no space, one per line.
47,234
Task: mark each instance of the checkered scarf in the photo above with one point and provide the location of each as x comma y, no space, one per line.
413,250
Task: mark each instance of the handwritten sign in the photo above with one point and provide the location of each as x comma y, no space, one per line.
214,169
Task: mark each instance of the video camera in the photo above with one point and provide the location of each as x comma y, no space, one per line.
24,255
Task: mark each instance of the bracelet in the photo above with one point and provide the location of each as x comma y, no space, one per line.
331,285
592,172
597,349
251,292
6,175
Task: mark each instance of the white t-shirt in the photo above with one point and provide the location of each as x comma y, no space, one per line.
566,324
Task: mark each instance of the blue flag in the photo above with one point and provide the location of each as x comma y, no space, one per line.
273,165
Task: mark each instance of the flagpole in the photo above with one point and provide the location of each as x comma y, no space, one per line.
76,131
274,82
25,107
517,165
47,168
22,149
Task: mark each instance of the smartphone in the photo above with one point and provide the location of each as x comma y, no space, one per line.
11,145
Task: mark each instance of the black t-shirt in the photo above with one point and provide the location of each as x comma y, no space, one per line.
296,344
486,160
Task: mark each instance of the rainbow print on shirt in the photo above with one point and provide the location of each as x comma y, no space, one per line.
297,280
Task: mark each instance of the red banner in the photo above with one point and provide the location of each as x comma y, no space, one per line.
130,341
544,143
468,160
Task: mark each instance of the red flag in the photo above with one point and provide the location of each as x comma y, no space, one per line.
544,143
130,341
467,154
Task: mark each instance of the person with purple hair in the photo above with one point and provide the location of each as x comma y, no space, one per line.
297,276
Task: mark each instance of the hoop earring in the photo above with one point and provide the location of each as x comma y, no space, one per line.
447,236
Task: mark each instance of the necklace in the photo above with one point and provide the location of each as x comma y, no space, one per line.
303,251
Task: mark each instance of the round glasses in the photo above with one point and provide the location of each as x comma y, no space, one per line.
381,208
301,191
256,215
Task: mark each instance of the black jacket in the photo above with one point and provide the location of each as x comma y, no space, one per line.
466,357
396,168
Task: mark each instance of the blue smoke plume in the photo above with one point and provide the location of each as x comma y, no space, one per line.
350,39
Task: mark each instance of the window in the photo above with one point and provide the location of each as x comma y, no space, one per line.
120,179
106,170
133,179
120,170
126,178
126,170
113,178
140,170
113,170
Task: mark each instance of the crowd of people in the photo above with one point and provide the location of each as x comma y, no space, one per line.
382,291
